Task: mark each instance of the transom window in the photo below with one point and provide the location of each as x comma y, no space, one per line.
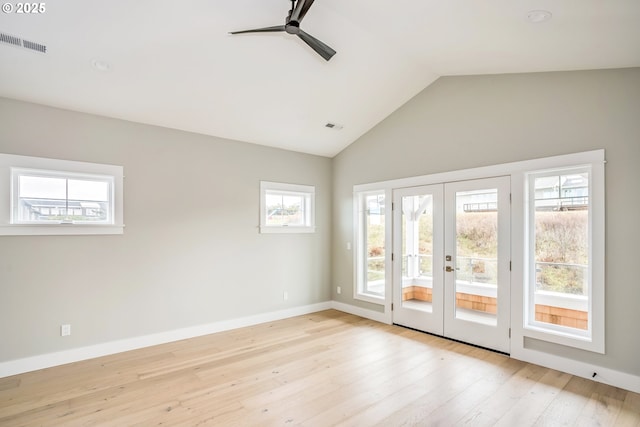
55,197
40,196
286,208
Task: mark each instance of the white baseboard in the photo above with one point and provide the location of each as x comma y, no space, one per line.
362,312
14,367
580,369
27,364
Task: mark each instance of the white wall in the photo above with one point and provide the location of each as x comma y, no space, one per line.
466,122
191,253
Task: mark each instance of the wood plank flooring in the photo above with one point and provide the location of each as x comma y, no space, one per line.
322,369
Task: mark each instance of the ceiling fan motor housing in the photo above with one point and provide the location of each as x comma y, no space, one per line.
292,27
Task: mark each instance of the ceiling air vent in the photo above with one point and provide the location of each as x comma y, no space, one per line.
25,44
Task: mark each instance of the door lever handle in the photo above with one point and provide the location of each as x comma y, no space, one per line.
450,269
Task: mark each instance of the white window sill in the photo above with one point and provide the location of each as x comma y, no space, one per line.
372,298
546,333
59,229
561,300
274,229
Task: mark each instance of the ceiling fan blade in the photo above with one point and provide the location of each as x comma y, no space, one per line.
322,49
275,29
302,7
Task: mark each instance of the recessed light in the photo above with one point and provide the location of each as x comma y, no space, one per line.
101,65
537,16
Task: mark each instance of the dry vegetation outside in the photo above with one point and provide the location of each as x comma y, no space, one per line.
562,238
561,241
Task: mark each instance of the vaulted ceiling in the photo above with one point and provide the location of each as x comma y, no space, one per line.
173,64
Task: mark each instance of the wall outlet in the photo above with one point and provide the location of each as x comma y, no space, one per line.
285,296
65,330
339,290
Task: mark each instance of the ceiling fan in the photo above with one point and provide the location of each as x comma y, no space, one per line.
298,10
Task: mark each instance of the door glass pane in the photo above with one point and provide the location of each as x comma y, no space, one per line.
417,252
477,255
562,250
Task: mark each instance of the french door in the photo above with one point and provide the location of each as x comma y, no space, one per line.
451,268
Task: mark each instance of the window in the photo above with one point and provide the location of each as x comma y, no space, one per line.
47,196
565,280
44,197
370,245
286,208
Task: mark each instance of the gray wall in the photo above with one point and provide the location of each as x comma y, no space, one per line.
466,122
191,253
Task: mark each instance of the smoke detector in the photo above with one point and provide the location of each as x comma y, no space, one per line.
101,65
538,16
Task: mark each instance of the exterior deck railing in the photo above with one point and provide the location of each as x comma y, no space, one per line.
556,277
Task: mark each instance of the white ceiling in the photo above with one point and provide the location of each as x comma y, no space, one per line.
174,65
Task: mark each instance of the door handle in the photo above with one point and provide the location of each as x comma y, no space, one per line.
450,269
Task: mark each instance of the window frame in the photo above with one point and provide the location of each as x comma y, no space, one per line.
360,247
12,166
308,192
593,338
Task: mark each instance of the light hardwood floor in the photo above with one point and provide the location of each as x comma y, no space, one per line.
323,369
